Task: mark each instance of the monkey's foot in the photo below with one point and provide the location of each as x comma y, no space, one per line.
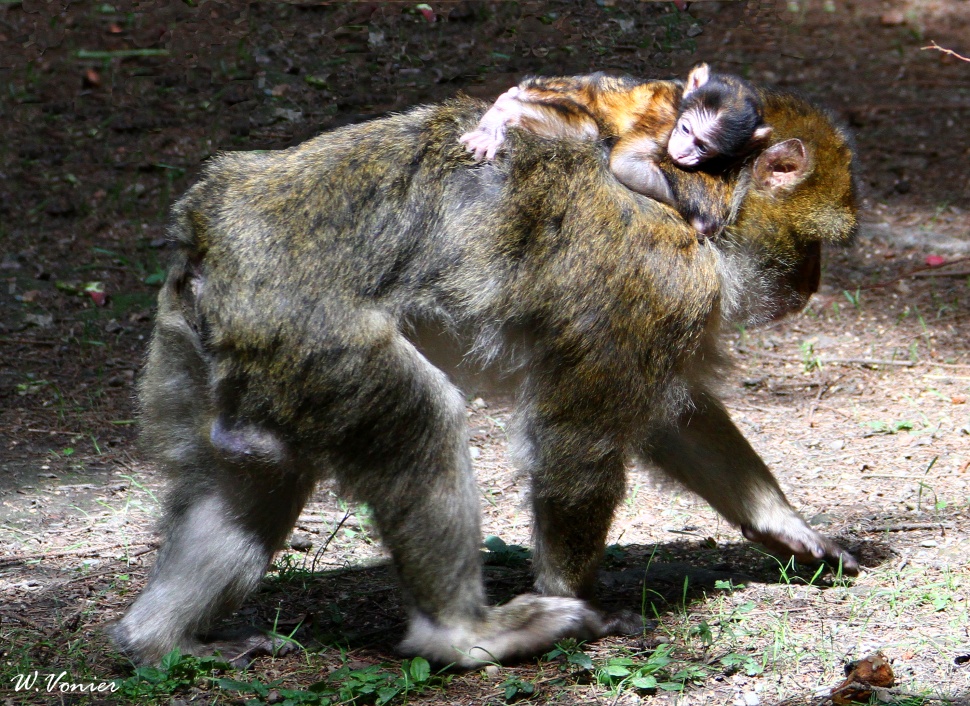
807,547
524,626
483,142
238,647
626,622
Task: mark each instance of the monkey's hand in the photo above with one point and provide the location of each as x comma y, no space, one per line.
483,142
806,545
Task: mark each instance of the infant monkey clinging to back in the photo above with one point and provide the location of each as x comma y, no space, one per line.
711,121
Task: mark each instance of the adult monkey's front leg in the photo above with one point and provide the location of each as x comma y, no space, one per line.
707,453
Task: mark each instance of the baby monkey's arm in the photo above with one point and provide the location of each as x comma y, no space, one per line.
637,115
583,108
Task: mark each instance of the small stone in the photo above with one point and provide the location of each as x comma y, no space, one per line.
821,520
301,543
892,18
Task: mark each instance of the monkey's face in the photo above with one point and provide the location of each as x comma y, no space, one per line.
691,141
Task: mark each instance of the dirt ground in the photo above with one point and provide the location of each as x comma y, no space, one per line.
859,404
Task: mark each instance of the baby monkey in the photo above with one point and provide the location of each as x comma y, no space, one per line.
710,122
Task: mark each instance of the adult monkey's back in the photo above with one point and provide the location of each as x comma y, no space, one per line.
282,355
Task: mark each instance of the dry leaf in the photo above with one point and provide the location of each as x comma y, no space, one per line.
873,670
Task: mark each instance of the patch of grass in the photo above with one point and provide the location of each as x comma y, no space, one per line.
883,427
176,673
855,298
376,683
501,554
810,359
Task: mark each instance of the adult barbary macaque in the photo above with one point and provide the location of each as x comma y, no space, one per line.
284,352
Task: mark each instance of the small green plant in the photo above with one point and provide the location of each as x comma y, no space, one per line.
810,359
734,662
615,554
880,427
631,497
289,569
855,298
914,352
156,277
371,684
702,632
515,688
176,672
727,585
923,486
788,572
501,554
652,673
573,652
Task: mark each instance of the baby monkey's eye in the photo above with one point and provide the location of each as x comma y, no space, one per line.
684,127
701,147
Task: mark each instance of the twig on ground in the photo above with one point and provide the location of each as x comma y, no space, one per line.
321,550
952,273
869,362
28,341
864,362
55,431
818,398
910,527
20,619
17,559
925,271
934,45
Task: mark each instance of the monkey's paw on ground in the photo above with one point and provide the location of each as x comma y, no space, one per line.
808,547
525,626
236,646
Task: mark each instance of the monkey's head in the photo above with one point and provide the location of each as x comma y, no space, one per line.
798,194
720,116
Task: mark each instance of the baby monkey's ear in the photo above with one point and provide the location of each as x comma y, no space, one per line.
698,76
760,136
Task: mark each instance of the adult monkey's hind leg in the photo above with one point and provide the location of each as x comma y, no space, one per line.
223,519
406,455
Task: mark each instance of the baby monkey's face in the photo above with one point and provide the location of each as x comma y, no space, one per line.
694,138
720,116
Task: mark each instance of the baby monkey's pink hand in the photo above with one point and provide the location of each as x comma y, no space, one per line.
483,142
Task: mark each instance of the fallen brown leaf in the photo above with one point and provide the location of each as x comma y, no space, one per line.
873,670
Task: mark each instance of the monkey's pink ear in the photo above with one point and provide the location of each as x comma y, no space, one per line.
782,166
698,76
